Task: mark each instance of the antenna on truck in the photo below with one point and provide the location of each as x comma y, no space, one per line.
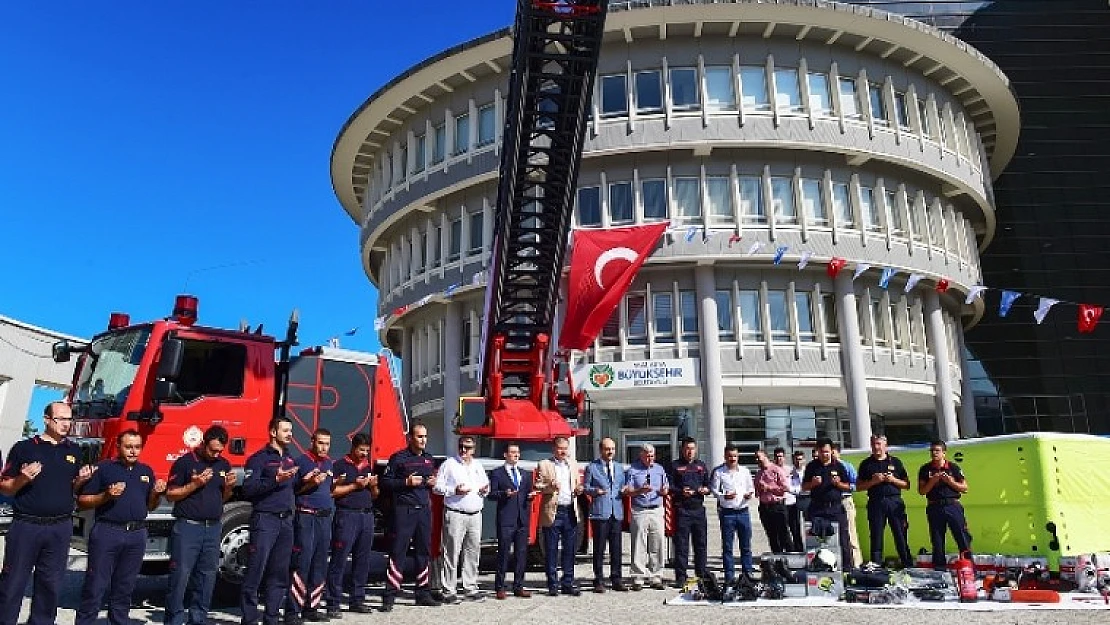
281,368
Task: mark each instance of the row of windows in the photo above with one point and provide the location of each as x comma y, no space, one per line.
765,89
753,200
433,246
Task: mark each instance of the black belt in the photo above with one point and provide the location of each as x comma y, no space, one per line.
201,522
310,512
568,506
41,520
361,510
944,501
127,526
471,513
645,507
285,514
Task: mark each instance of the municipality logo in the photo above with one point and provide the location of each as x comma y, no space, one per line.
601,376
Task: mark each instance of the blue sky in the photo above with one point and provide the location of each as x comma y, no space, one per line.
149,146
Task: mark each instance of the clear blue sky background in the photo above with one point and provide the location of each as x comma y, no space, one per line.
146,146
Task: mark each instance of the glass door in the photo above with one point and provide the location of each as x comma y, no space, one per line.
665,442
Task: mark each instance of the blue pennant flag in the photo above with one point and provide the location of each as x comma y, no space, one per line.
451,289
1008,299
780,252
350,332
690,232
888,273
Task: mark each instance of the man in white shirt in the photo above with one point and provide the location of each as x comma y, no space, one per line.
733,487
463,483
559,485
793,518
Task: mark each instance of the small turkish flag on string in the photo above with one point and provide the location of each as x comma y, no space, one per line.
835,265
1088,318
942,285
733,239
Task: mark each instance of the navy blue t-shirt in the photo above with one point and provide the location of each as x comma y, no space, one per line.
825,493
317,497
941,490
693,475
203,504
401,465
350,471
261,488
50,494
132,504
872,466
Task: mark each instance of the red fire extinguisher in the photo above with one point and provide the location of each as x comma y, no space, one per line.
965,578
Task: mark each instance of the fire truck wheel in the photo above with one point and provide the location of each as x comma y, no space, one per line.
234,537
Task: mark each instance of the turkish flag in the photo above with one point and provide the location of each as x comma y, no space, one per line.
603,265
1088,318
942,285
835,265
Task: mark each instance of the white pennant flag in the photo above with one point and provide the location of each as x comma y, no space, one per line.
379,323
804,259
974,292
1043,307
860,268
912,281
755,247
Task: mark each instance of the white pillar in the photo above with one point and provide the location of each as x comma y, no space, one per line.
969,424
452,370
938,342
15,402
712,389
851,360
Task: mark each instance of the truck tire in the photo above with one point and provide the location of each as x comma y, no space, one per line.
234,537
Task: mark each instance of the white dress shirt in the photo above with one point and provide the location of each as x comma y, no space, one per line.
566,493
454,473
725,481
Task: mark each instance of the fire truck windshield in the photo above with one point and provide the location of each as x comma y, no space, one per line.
108,371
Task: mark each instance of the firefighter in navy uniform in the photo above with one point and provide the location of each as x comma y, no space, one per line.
943,483
311,532
689,486
410,476
42,475
354,491
122,491
827,480
884,478
268,486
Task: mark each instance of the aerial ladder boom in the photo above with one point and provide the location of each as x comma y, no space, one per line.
555,56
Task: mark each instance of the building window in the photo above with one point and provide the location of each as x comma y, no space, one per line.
725,329
751,200
878,319
813,202
454,247
867,209
878,105
689,302
649,92
788,95
923,115
780,321
611,332
687,199
896,324
782,199
719,91
614,95
403,163
654,194
684,88
487,125
753,82
462,134
663,315
828,315
467,348
849,101
418,254
620,202
842,205
901,111
820,100
439,143
589,206
476,227
435,233
804,311
419,144
719,196
637,325
917,217
751,317
894,213
936,225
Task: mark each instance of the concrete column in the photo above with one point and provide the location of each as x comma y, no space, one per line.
969,424
452,372
406,367
938,342
851,360
712,389
15,403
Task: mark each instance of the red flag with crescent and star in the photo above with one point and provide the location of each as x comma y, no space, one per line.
1088,317
603,265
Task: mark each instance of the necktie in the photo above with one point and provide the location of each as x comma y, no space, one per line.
610,470
516,480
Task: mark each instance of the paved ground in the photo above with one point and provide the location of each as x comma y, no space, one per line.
633,607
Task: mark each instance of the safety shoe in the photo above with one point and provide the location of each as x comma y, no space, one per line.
315,616
292,618
361,608
430,601
620,586
387,606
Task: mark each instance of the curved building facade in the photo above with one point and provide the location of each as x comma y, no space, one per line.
773,138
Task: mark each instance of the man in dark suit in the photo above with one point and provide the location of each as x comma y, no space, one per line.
511,488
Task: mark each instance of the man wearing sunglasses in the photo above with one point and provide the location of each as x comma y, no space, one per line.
463,483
